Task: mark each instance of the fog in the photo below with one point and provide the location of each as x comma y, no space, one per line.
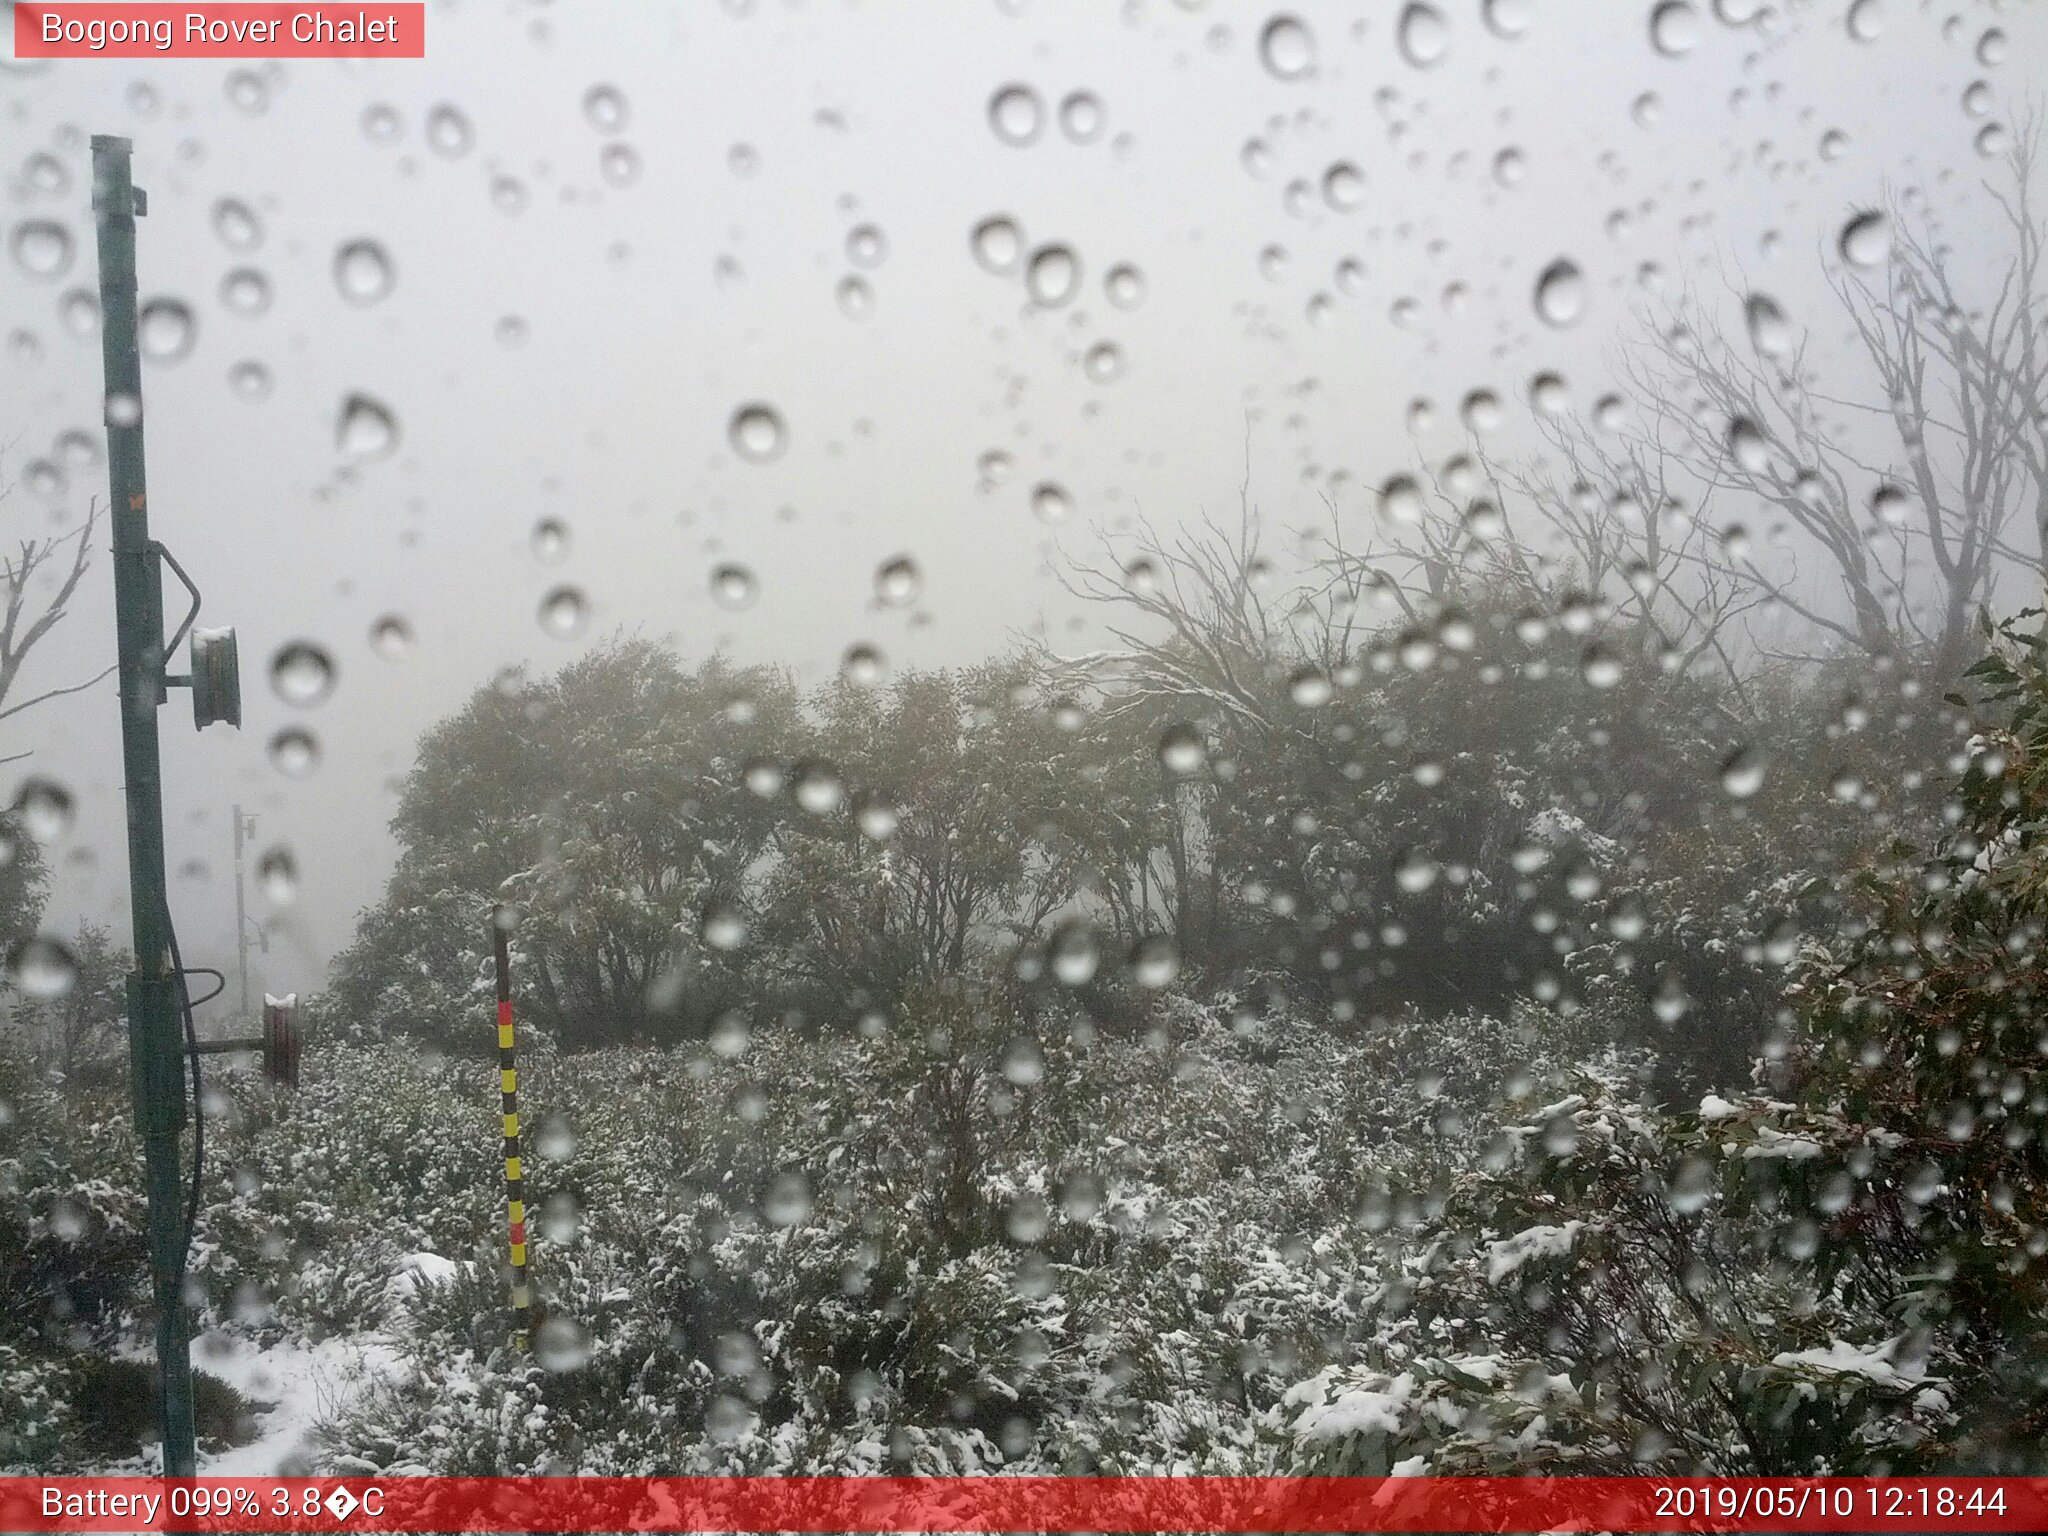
579,309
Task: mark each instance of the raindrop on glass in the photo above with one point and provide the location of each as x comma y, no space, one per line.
302,673
366,428
998,244
1560,293
733,587
1423,34
564,612
363,272
1016,115
42,248
1287,48
165,330
757,433
1053,276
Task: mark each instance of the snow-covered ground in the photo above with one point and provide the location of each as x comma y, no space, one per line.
294,1385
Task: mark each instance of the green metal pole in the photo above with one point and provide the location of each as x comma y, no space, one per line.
155,1050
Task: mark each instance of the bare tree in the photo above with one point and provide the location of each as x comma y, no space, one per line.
1910,501
37,582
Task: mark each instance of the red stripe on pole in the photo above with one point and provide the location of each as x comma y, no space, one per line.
504,1012
518,1231
988,1504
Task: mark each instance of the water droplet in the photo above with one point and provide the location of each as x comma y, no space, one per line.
863,665
866,246
295,752
728,1420
448,131
1510,166
42,967
363,272
246,291
1103,363
1073,953
250,380
555,1138
1124,285
1415,871
1154,961
550,541
757,433
1675,28
1991,140
787,1200
1742,772
236,225
367,428
897,582
1866,20
1423,34
1343,187
1560,293
604,108
1309,688
302,673
730,1035
391,637
818,787
564,612
1748,447
45,807
1016,114
277,876
1287,48
724,926
1991,48
733,587
1769,331
1890,506
380,123
42,248
1053,276
1081,116
246,92
561,1345
1401,499
1600,667
1023,1062
166,329
1050,502
1182,751
1481,411
877,817
1507,18
619,164
998,244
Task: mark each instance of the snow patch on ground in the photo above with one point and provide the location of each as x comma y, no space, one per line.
301,1383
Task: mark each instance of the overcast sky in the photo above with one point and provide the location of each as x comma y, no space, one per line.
581,300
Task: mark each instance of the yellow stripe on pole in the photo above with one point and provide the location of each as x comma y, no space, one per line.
517,1212
511,1167
511,1126
518,1254
508,1080
504,1037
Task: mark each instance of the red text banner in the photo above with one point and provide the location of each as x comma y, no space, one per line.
50,29
1121,1504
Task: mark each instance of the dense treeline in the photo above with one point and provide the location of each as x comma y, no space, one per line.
1503,806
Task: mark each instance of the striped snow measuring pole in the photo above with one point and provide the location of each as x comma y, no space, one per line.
508,1087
